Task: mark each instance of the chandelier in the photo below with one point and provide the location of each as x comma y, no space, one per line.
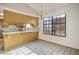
42,12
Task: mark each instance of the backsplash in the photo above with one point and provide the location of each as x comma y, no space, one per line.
14,28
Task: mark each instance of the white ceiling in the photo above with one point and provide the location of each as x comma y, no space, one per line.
19,7
47,6
35,7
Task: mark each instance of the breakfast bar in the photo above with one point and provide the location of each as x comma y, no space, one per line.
13,39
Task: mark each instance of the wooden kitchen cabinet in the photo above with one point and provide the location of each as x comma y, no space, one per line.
30,19
30,36
12,17
13,40
4,24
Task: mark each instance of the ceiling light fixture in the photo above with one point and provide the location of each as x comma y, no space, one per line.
43,12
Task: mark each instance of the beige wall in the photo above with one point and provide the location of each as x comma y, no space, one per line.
72,27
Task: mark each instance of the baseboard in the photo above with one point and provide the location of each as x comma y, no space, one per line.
60,44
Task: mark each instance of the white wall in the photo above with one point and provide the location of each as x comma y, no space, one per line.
72,27
1,17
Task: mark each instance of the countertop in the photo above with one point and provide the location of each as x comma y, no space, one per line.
16,32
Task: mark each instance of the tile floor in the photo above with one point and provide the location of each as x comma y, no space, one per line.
40,47
19,51
46,48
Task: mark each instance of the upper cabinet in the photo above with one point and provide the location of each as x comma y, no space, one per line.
13,17
30,20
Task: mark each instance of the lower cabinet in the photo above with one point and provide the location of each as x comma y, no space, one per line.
13,40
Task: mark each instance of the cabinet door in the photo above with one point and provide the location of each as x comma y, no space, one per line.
30,19
35,21
12,40
13,17
29,36
26,18
4,24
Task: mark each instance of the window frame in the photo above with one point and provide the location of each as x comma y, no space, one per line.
56,24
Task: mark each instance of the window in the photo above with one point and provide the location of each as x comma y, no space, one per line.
55,25
47,28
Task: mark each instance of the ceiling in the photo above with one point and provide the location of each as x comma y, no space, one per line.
35,7
47,6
